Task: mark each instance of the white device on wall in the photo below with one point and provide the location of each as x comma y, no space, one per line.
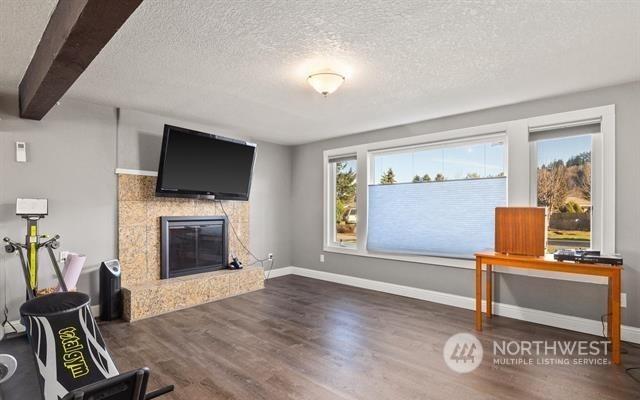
32,207
21,152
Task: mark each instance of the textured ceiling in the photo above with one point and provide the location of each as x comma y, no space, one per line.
242,64
21,26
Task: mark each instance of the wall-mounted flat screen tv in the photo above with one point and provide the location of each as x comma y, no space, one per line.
202,165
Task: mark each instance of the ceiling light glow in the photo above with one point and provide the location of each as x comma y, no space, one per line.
325,83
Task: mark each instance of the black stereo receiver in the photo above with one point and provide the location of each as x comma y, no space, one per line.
587,257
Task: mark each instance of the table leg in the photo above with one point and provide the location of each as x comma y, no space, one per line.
478,294
609,308
489,290
615,317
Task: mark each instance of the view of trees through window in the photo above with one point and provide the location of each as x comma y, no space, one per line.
346,218
564,186
469,161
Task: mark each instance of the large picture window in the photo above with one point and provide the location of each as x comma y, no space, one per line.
431,198
436,200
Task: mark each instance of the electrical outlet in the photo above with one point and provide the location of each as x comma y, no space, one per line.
321,258
623,300
270,256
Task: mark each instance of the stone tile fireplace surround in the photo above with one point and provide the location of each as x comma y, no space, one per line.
144,293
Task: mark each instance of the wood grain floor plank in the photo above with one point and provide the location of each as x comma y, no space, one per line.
301,338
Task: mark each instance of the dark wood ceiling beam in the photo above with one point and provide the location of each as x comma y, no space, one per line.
75,34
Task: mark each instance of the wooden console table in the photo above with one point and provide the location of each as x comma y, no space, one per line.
612,272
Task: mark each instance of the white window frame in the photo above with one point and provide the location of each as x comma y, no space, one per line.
596,239
331,239
602,167
364,163
519,179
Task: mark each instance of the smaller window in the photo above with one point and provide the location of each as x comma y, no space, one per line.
564,187
344,217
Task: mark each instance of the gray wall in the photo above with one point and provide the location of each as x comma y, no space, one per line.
139,142
71,156
578,299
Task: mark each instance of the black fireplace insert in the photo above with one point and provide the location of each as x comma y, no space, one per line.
193,245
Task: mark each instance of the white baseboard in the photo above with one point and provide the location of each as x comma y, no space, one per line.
583,325
274,273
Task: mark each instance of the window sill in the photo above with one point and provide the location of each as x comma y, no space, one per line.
465,264
438,261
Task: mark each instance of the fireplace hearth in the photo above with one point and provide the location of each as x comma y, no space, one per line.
193,245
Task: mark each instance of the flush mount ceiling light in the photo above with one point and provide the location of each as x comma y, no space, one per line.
325,83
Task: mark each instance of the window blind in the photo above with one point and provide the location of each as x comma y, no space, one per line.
450,218
545,133
338,159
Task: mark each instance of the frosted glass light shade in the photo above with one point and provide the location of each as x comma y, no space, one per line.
325,83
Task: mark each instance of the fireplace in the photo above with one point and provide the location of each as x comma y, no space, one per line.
193,245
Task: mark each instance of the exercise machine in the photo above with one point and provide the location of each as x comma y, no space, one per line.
129,385
72,357
8,366
69,351
33,210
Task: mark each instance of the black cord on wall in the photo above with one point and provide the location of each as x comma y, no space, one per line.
257,260
604,335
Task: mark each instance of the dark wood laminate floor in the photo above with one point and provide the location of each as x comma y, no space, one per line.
301,338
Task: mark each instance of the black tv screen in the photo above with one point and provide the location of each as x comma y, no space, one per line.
198,164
